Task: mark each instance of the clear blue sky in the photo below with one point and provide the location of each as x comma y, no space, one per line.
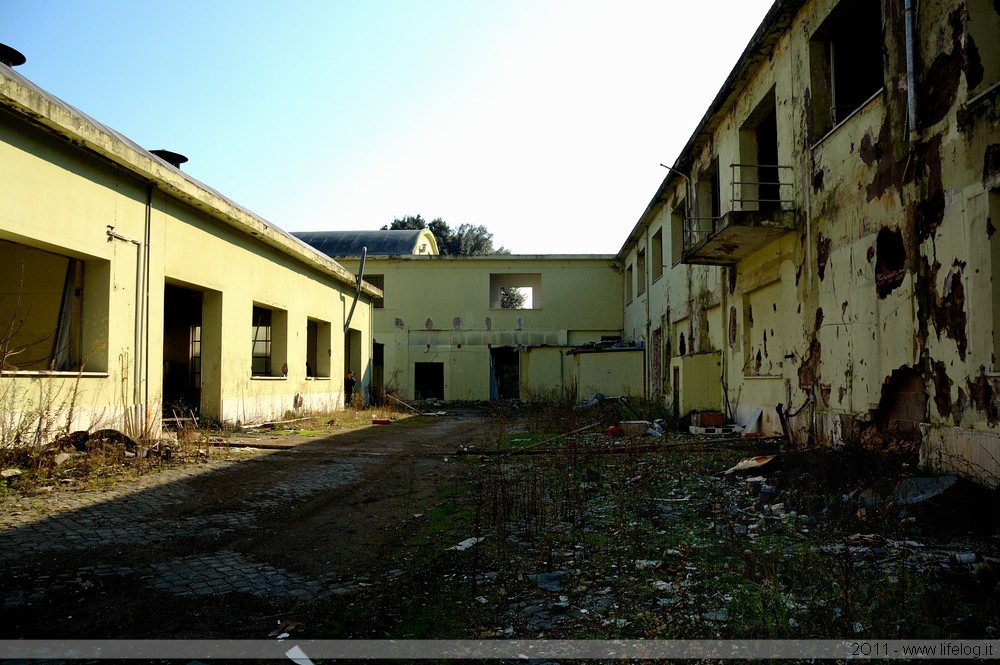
544,120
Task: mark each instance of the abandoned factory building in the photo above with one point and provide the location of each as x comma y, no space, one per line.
820,261
130,287
824,250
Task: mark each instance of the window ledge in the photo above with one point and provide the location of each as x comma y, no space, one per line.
864,105
318,378
268,378
56,375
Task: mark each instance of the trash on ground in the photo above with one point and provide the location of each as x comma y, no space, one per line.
748,463
466,544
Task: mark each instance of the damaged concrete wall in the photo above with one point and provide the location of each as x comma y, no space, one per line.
873,320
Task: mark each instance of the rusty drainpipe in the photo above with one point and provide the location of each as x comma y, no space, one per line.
911,83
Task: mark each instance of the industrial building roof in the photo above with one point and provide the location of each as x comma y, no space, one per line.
379,243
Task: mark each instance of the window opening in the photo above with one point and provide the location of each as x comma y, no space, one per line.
656,246
846,62
378,281
640,271
628,283
261,355
516,291
44,324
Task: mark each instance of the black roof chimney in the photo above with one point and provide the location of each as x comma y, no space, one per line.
175,159
11,56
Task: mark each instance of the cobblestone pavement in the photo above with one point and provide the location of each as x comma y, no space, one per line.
253,533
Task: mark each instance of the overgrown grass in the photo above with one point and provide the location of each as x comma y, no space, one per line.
666,534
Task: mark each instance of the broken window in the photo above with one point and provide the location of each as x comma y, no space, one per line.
678,237
983,46
846,63
53,311
378,281
516,291
656,247
628,283
269,329
640,272
318,352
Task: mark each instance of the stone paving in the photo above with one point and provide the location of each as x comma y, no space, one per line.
132,514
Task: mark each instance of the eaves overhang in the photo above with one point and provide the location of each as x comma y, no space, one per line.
757,52
23,98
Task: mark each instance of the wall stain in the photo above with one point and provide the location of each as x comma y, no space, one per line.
732,326
984,398
822,254
949,314
809,370
942,389
936,96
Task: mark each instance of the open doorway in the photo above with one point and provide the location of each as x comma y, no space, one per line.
505,378
428,381
182,349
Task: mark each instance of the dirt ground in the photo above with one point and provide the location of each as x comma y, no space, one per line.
227,548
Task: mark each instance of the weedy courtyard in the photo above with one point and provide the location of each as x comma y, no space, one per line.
592,536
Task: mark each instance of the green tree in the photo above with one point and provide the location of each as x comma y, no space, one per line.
466,240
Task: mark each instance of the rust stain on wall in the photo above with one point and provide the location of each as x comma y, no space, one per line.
732,326
822,254
949,314
809,370
984,397
942,389
937,94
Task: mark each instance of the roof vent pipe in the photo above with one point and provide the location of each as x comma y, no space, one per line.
175,159
11,56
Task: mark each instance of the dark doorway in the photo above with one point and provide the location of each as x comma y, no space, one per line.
182,341
428,381
769,189
378,370
505,374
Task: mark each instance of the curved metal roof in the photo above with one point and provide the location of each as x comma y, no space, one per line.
379,243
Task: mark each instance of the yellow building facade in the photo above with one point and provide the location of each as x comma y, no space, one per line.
822,256
445,330
131,289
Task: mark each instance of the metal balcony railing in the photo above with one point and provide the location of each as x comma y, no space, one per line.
755,188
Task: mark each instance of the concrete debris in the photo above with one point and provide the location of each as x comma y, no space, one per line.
10,473
466,544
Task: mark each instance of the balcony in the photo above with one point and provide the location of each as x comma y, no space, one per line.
763,211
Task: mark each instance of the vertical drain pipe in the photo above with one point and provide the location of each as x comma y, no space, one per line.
357,293
911,83
137,341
